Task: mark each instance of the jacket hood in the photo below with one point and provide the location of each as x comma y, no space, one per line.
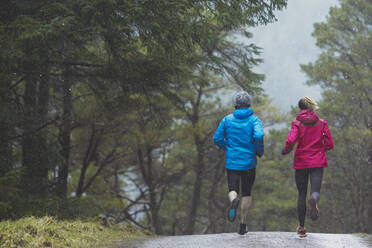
307,117
243,113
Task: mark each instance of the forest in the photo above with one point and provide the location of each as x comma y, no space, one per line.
108,108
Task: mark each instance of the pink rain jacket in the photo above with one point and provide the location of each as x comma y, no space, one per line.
314,139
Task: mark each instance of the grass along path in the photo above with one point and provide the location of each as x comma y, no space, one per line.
50,232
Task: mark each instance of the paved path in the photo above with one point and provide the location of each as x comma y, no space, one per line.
252,239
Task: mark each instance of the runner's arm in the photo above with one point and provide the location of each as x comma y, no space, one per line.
291,140
258,137
328,140
219,135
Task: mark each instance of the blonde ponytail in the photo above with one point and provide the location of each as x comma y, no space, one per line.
310,103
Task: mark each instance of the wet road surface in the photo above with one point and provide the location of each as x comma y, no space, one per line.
252,239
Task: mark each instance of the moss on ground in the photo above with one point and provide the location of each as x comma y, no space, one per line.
50,232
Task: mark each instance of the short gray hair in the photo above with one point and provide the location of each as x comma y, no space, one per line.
242,99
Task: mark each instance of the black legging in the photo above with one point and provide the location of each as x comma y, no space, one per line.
247,177
302,179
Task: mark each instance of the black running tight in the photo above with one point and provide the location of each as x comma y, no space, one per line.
302,179
246,177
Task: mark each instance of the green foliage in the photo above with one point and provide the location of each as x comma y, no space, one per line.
50,232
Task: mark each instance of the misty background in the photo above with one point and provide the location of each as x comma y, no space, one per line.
285,45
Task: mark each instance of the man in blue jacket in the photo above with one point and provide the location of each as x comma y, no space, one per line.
240,135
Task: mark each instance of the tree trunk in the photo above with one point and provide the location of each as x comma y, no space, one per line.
6,130
43,101
65,137
34,154
198,166
91,150
199,171
80,187
154,204
116,184
190,226
6,152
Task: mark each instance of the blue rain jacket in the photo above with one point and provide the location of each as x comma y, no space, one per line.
241,136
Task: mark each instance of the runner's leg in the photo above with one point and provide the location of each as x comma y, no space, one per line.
316,177
247,178
233,181
302,178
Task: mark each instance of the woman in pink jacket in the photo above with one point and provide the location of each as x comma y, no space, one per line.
314,139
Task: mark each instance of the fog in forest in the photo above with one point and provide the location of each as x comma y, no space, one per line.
109,111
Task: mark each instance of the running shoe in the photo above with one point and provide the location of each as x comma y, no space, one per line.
231,214
243,229
301,231
314,210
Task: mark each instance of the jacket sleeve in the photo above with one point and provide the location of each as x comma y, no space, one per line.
291,139
328,140
258,137
220,135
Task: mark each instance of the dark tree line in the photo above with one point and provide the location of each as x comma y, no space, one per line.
92,91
